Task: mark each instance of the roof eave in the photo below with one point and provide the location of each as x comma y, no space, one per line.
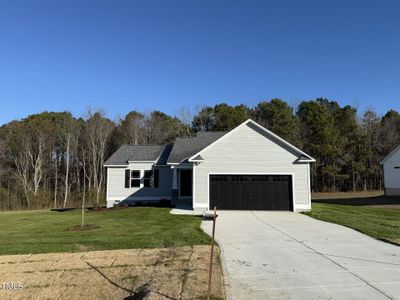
306,160
390,154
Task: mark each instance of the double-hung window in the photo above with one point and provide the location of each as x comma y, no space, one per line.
151,178
135,178
141,178
148,178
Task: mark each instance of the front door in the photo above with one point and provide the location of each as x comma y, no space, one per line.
185,183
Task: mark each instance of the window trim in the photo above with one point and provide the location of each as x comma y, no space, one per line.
141,178
137,178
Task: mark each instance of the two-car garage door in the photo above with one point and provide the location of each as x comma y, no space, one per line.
251,192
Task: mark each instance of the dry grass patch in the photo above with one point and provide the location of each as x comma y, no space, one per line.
166,273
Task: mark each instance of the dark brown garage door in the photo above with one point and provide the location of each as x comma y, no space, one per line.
251,192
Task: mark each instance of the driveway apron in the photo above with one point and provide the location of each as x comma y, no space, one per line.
286,255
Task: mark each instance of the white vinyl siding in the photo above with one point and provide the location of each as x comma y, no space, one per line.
247,151
116,189
392,174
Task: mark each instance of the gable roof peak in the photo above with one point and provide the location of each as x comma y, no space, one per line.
251,121
390,154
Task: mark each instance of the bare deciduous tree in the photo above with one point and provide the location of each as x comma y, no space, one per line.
185,116
97,131
70,134
22,163
36,156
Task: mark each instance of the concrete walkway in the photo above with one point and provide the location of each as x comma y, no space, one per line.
285,255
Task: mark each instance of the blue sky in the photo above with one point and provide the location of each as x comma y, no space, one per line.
125,55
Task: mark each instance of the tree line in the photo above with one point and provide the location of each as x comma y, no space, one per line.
54,159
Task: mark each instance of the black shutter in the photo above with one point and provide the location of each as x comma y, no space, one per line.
156,178
127,178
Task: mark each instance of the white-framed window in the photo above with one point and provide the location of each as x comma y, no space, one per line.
141,178
135,178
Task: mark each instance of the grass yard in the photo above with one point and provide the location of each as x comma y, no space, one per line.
32,232
376,216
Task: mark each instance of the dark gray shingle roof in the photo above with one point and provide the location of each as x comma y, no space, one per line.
164,155
136,153
183,148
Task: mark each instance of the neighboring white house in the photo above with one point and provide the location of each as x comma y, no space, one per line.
391,173
247,168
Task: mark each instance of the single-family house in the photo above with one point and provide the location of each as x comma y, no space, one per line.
391,172
247,168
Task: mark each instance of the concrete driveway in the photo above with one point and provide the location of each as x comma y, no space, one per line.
285,255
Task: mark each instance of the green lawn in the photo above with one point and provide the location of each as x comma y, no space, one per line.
380,223
140,227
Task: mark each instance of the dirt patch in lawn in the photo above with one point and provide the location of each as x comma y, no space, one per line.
167,273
